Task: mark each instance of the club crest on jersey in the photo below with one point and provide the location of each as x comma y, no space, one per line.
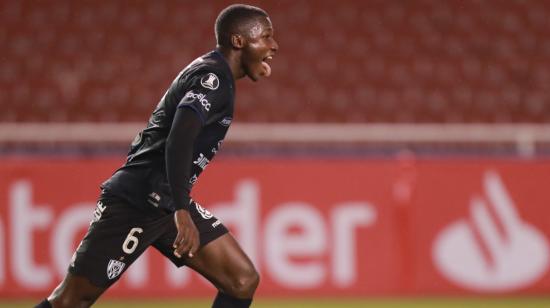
210,81
204,212
114,268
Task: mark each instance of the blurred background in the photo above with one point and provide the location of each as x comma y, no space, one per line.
398,151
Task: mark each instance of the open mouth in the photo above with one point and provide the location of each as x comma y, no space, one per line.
266,66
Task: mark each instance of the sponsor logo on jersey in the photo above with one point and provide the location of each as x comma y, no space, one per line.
201,161
154,199
114,268
226,121
100,208
201,98
210,81
204,212
193,179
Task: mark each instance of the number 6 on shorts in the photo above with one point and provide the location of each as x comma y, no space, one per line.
131,242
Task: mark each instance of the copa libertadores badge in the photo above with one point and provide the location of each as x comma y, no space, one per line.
114,268
210,81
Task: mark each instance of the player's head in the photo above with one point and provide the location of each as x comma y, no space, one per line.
248,31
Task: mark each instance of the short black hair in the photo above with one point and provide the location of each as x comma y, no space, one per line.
231,18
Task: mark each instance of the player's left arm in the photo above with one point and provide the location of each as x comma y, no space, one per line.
198,107
179,154
205,96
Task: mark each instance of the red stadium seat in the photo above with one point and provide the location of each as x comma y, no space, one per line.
358,61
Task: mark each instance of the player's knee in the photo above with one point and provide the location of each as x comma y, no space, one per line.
244,284
71,302
252,281
71,296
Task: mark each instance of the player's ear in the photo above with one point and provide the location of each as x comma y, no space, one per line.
237,41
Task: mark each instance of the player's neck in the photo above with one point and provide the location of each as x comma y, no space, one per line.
234,61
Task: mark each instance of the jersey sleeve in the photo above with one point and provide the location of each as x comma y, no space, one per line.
207,94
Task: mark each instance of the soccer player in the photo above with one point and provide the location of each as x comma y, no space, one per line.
147,201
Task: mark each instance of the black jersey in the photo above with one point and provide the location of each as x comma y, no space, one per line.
206,86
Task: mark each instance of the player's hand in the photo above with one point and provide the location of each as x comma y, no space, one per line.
187,240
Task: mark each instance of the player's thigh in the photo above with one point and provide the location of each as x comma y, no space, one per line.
208,226
225,264
220,258
114,241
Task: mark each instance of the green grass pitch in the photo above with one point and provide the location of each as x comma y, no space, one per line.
503,302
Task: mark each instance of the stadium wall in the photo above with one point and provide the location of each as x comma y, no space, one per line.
334,227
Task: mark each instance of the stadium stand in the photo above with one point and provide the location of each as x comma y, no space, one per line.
423,61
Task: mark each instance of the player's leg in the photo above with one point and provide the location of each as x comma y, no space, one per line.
225,264
74,291
119,234
220,259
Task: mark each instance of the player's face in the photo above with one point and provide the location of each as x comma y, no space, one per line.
259,49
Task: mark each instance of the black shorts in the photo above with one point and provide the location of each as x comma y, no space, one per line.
120,233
